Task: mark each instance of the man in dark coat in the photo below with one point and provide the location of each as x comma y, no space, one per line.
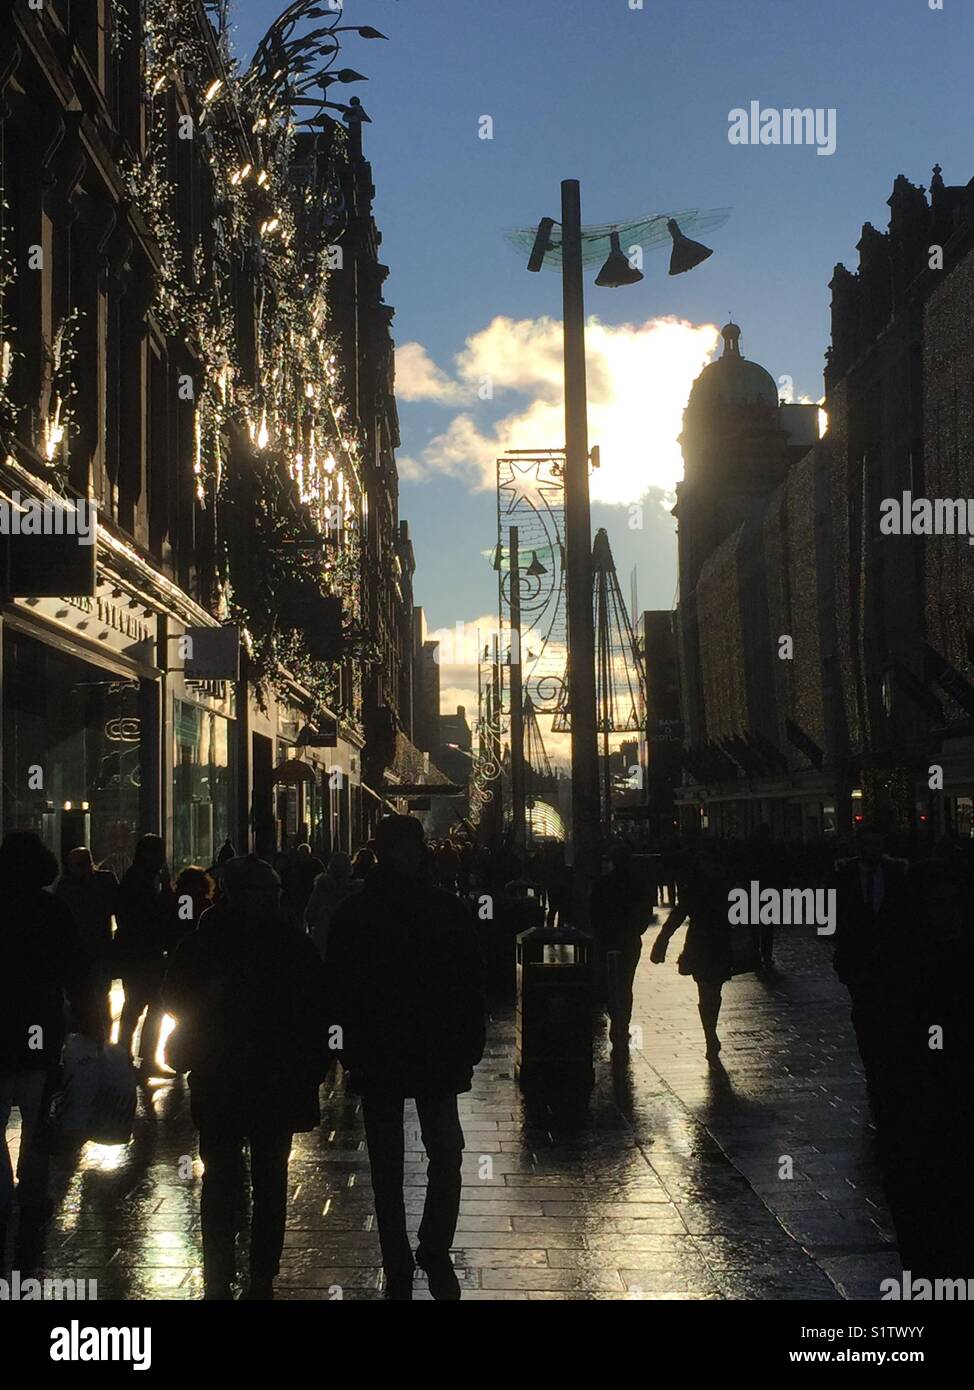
621,911
407,1012
144,911
247,992
91,895
42,964
871,913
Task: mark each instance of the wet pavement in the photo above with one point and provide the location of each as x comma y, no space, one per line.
678,1182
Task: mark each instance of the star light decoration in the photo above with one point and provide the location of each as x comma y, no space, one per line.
526,486
531,496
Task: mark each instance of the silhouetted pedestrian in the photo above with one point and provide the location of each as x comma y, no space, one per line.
91,896
925,1110
363,863
143,916
305,869
871,907
621,912
765,863
405,988
247,992
42,964
227,852
332,888
707,953
194,893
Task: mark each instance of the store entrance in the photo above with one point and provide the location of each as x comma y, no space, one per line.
75,746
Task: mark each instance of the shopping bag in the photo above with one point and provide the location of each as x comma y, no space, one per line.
113,1111
745,956
72,1105
96,1096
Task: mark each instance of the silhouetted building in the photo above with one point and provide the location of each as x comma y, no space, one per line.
181,350
827,664
456,743
426,688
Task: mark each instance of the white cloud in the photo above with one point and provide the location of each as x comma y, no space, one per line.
639,378
418,378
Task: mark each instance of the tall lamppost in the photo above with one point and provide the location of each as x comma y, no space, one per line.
576,246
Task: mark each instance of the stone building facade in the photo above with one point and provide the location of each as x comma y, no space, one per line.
195,341
826,663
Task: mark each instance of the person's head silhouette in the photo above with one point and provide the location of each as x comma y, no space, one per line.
26,862
400,846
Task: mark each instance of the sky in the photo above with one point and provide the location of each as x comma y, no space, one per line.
634,101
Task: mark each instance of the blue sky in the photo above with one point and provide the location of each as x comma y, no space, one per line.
634,103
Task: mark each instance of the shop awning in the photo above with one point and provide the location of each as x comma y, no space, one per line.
291,772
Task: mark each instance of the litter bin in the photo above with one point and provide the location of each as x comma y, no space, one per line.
554,1011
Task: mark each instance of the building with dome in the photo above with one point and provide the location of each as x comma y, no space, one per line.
826,668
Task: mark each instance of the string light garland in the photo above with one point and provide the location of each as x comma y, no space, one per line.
295,471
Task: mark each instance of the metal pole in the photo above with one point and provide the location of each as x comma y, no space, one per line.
517,697
578,563
496,701
607,781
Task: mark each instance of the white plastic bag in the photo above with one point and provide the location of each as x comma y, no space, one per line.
73,1103
97,1096
113,1112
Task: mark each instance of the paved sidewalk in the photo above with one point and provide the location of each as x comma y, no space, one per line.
669,1187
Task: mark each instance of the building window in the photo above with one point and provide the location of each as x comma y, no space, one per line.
73,752
202,784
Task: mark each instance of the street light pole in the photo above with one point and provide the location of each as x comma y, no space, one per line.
517,697
578,564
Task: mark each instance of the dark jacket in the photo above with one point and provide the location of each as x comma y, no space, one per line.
42,965
249,1004
405,987
869,943
91,903
143,915
621,910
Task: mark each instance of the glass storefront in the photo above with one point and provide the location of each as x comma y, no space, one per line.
203,804
73,751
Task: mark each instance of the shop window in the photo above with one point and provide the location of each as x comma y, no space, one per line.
202,784
73,752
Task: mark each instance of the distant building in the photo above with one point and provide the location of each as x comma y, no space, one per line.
826,666
426,688
456,744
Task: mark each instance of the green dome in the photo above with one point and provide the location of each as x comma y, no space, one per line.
732,379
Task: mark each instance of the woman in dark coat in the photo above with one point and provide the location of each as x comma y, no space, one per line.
247,992
707,954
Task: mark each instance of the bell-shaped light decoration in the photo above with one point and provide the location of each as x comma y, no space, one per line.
536,568
686,253
617,270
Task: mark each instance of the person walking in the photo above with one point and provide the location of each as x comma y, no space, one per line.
194,892
305,870
332,888
44,965
363,863
144,916
871,910
246,989
91,896
707,953
405,987
621,912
